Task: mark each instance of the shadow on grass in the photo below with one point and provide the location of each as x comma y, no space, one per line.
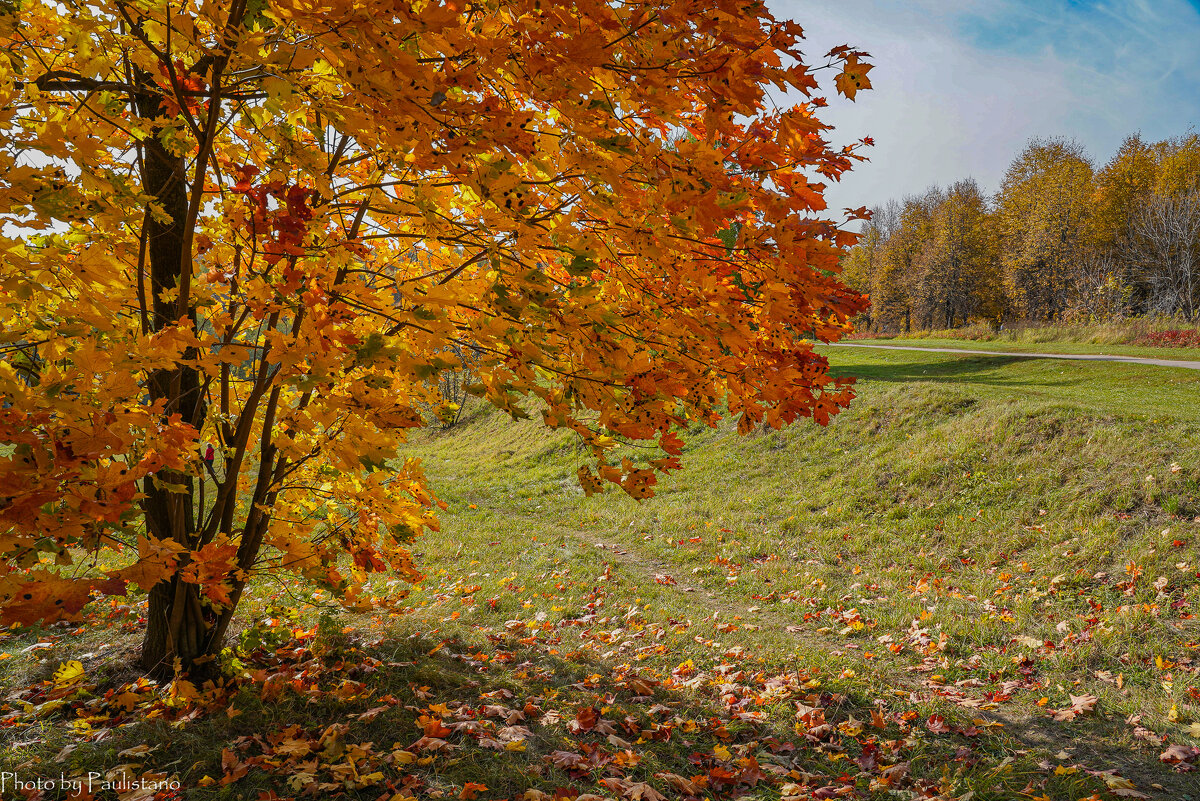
414,717
974,369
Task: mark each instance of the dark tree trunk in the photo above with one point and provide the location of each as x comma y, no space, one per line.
179,622
179,629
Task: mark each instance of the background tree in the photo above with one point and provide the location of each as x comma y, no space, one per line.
453,385
858,263
1043,208
263,226
1179,166
895,288
1120,187
861,264
956,278
1056,243
1163,248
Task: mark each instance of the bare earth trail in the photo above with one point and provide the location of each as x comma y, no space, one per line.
1088,357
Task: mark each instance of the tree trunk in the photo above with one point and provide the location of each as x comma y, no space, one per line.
179,630
179,623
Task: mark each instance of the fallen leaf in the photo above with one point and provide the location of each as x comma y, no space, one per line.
471,789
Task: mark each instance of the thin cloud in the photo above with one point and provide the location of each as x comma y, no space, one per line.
961,87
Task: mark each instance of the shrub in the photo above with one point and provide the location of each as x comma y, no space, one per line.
1170,338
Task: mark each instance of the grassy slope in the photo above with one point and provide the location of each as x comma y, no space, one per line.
974,536
981,497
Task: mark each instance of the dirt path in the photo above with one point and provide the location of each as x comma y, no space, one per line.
1085,357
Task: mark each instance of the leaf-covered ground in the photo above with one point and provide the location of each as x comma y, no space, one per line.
962,589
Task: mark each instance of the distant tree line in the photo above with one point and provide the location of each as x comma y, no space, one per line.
1060,242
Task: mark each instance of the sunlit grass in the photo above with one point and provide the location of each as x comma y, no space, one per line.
966,525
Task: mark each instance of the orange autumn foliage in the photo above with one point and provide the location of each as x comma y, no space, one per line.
269,227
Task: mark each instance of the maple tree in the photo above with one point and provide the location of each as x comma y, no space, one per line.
265,227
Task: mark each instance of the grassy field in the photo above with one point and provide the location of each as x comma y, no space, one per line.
1019,346
978,583
1129,390
1138,336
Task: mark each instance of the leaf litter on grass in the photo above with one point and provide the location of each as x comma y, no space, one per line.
990,639
598,701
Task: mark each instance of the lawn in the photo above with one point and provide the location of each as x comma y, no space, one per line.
980,582
1108,387
1085,348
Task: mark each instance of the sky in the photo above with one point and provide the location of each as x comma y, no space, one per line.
960,86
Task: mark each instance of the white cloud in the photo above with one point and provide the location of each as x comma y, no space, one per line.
961,87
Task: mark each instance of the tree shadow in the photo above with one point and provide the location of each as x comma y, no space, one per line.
415,715
972,369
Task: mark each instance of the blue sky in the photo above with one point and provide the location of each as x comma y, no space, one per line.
960,87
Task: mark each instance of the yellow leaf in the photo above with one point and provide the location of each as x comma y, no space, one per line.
68,673
127,700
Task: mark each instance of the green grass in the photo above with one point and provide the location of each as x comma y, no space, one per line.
1006,484
975,535
1018,346
1110,388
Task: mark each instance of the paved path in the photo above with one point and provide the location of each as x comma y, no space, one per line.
1086,357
